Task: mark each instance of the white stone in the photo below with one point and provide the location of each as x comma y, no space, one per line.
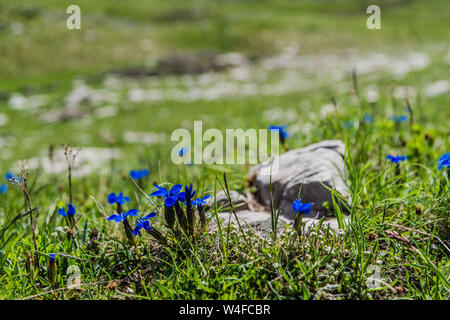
305,172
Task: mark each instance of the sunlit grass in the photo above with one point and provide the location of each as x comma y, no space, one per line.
399,228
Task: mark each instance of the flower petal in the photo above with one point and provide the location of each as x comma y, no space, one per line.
150,215
112,198
158,193
132,212
136,231
161,192
115,217
181,196
295,206
170,201
175,189
62,212
71,210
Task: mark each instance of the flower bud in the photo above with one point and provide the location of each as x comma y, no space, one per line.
52,270
30,265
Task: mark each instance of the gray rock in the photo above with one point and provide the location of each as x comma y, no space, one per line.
307,169
239,201
260,221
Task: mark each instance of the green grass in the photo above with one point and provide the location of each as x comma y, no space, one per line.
46,50
399,223
322,266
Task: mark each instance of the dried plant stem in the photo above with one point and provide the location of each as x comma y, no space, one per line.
410,110
70,187
70,159
22,183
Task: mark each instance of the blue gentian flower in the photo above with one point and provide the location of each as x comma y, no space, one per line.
182,195
396,159
3,188
201,201
52,269
444,161
303,208
170,197
348,124
9,175
70,211
397,119
182,151
139,174
143,223
120,199
282,131
123,216
368,119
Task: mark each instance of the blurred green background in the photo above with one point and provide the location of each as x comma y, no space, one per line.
148,67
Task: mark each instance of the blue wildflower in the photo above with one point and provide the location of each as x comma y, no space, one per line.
52,269
368,119
139,174
122,217
444,161
143,223
348,124
201,201
303,208
182,195
170,197
9,175
70,211
396,159
120,199
182,151
397,119
282,131
3,188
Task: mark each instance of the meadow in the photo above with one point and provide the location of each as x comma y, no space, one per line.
114,91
